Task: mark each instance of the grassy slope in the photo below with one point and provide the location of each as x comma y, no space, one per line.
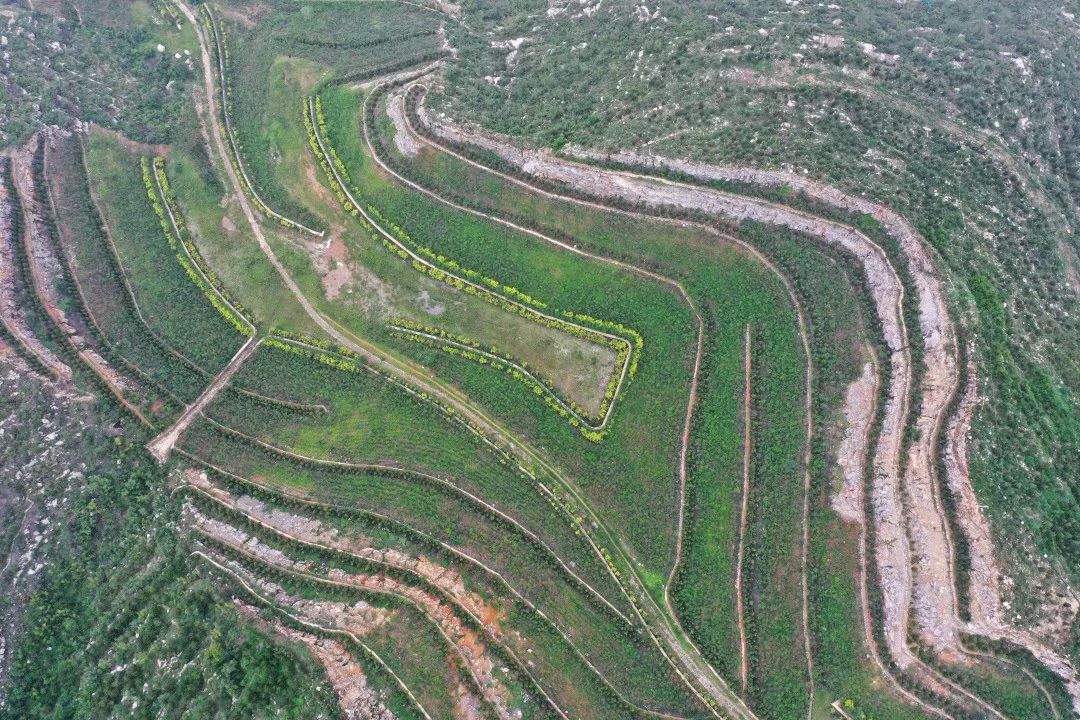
841,669
107,302
372,420
640,447
225,240
718,278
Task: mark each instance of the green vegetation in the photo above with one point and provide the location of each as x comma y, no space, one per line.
335,45
98,292
98,63
777,482
125,624
168,299
495,427
649,415
371,420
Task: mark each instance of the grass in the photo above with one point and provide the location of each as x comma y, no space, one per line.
374,421
627,658
330,38
226,242
363,286
560,672
170,302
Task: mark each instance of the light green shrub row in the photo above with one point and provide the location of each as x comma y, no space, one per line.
625,348
574,414
151,192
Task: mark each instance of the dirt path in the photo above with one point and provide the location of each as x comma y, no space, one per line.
228,131
744,510
162,445
356,698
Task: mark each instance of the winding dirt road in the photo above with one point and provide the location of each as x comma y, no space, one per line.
689,658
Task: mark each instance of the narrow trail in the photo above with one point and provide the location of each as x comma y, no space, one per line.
162,445
744,509
865,614
749,249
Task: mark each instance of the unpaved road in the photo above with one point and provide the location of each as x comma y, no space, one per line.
162,445
690,659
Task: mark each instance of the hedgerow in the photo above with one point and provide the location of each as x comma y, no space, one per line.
180,248
590,424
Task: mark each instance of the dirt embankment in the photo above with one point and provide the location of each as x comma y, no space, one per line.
859,402
46,270
469,646
403,139
313,531
10,300
357,699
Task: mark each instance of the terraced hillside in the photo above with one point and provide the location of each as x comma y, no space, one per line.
441,424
